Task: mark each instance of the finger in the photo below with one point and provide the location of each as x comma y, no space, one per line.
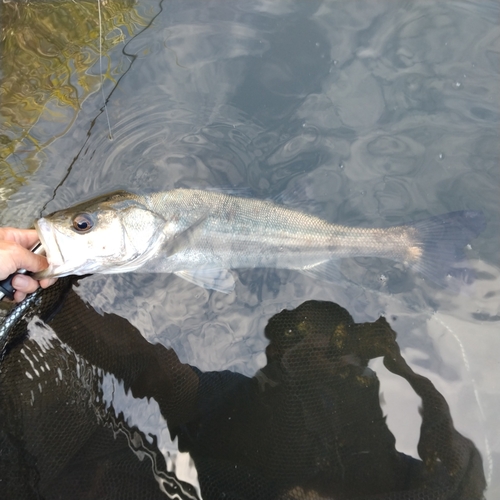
45,283
24,284
24,259
19,296
24,237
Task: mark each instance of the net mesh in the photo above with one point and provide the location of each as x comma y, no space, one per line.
307,426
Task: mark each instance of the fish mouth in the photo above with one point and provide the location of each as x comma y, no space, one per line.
51,247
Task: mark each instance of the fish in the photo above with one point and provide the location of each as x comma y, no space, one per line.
202,235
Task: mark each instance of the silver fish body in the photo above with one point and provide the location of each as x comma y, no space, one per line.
201,235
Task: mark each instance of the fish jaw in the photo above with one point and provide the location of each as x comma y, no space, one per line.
52,251
50,238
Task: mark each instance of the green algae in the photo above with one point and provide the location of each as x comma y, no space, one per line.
47,51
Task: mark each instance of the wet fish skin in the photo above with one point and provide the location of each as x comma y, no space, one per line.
201,235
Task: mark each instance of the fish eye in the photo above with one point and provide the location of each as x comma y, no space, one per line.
83,223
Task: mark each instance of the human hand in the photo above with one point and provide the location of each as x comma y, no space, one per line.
15,254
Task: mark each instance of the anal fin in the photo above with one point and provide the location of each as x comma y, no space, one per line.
221,280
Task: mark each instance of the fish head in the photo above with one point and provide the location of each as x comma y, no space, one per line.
109,234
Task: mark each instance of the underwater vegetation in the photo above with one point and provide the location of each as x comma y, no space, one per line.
49,56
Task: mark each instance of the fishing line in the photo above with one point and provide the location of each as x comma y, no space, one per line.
131,58
100,69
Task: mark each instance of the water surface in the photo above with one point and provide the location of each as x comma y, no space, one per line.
389,109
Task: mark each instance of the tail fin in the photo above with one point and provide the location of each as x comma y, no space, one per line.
442,241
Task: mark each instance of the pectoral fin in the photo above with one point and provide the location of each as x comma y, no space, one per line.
221,280
184,240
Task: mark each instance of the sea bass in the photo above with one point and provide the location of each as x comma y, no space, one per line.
201,235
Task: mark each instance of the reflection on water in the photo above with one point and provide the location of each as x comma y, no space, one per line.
389,108
49,52
307,425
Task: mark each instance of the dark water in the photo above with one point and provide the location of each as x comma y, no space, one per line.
391,109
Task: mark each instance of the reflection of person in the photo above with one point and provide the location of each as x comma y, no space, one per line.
307,426
15,254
